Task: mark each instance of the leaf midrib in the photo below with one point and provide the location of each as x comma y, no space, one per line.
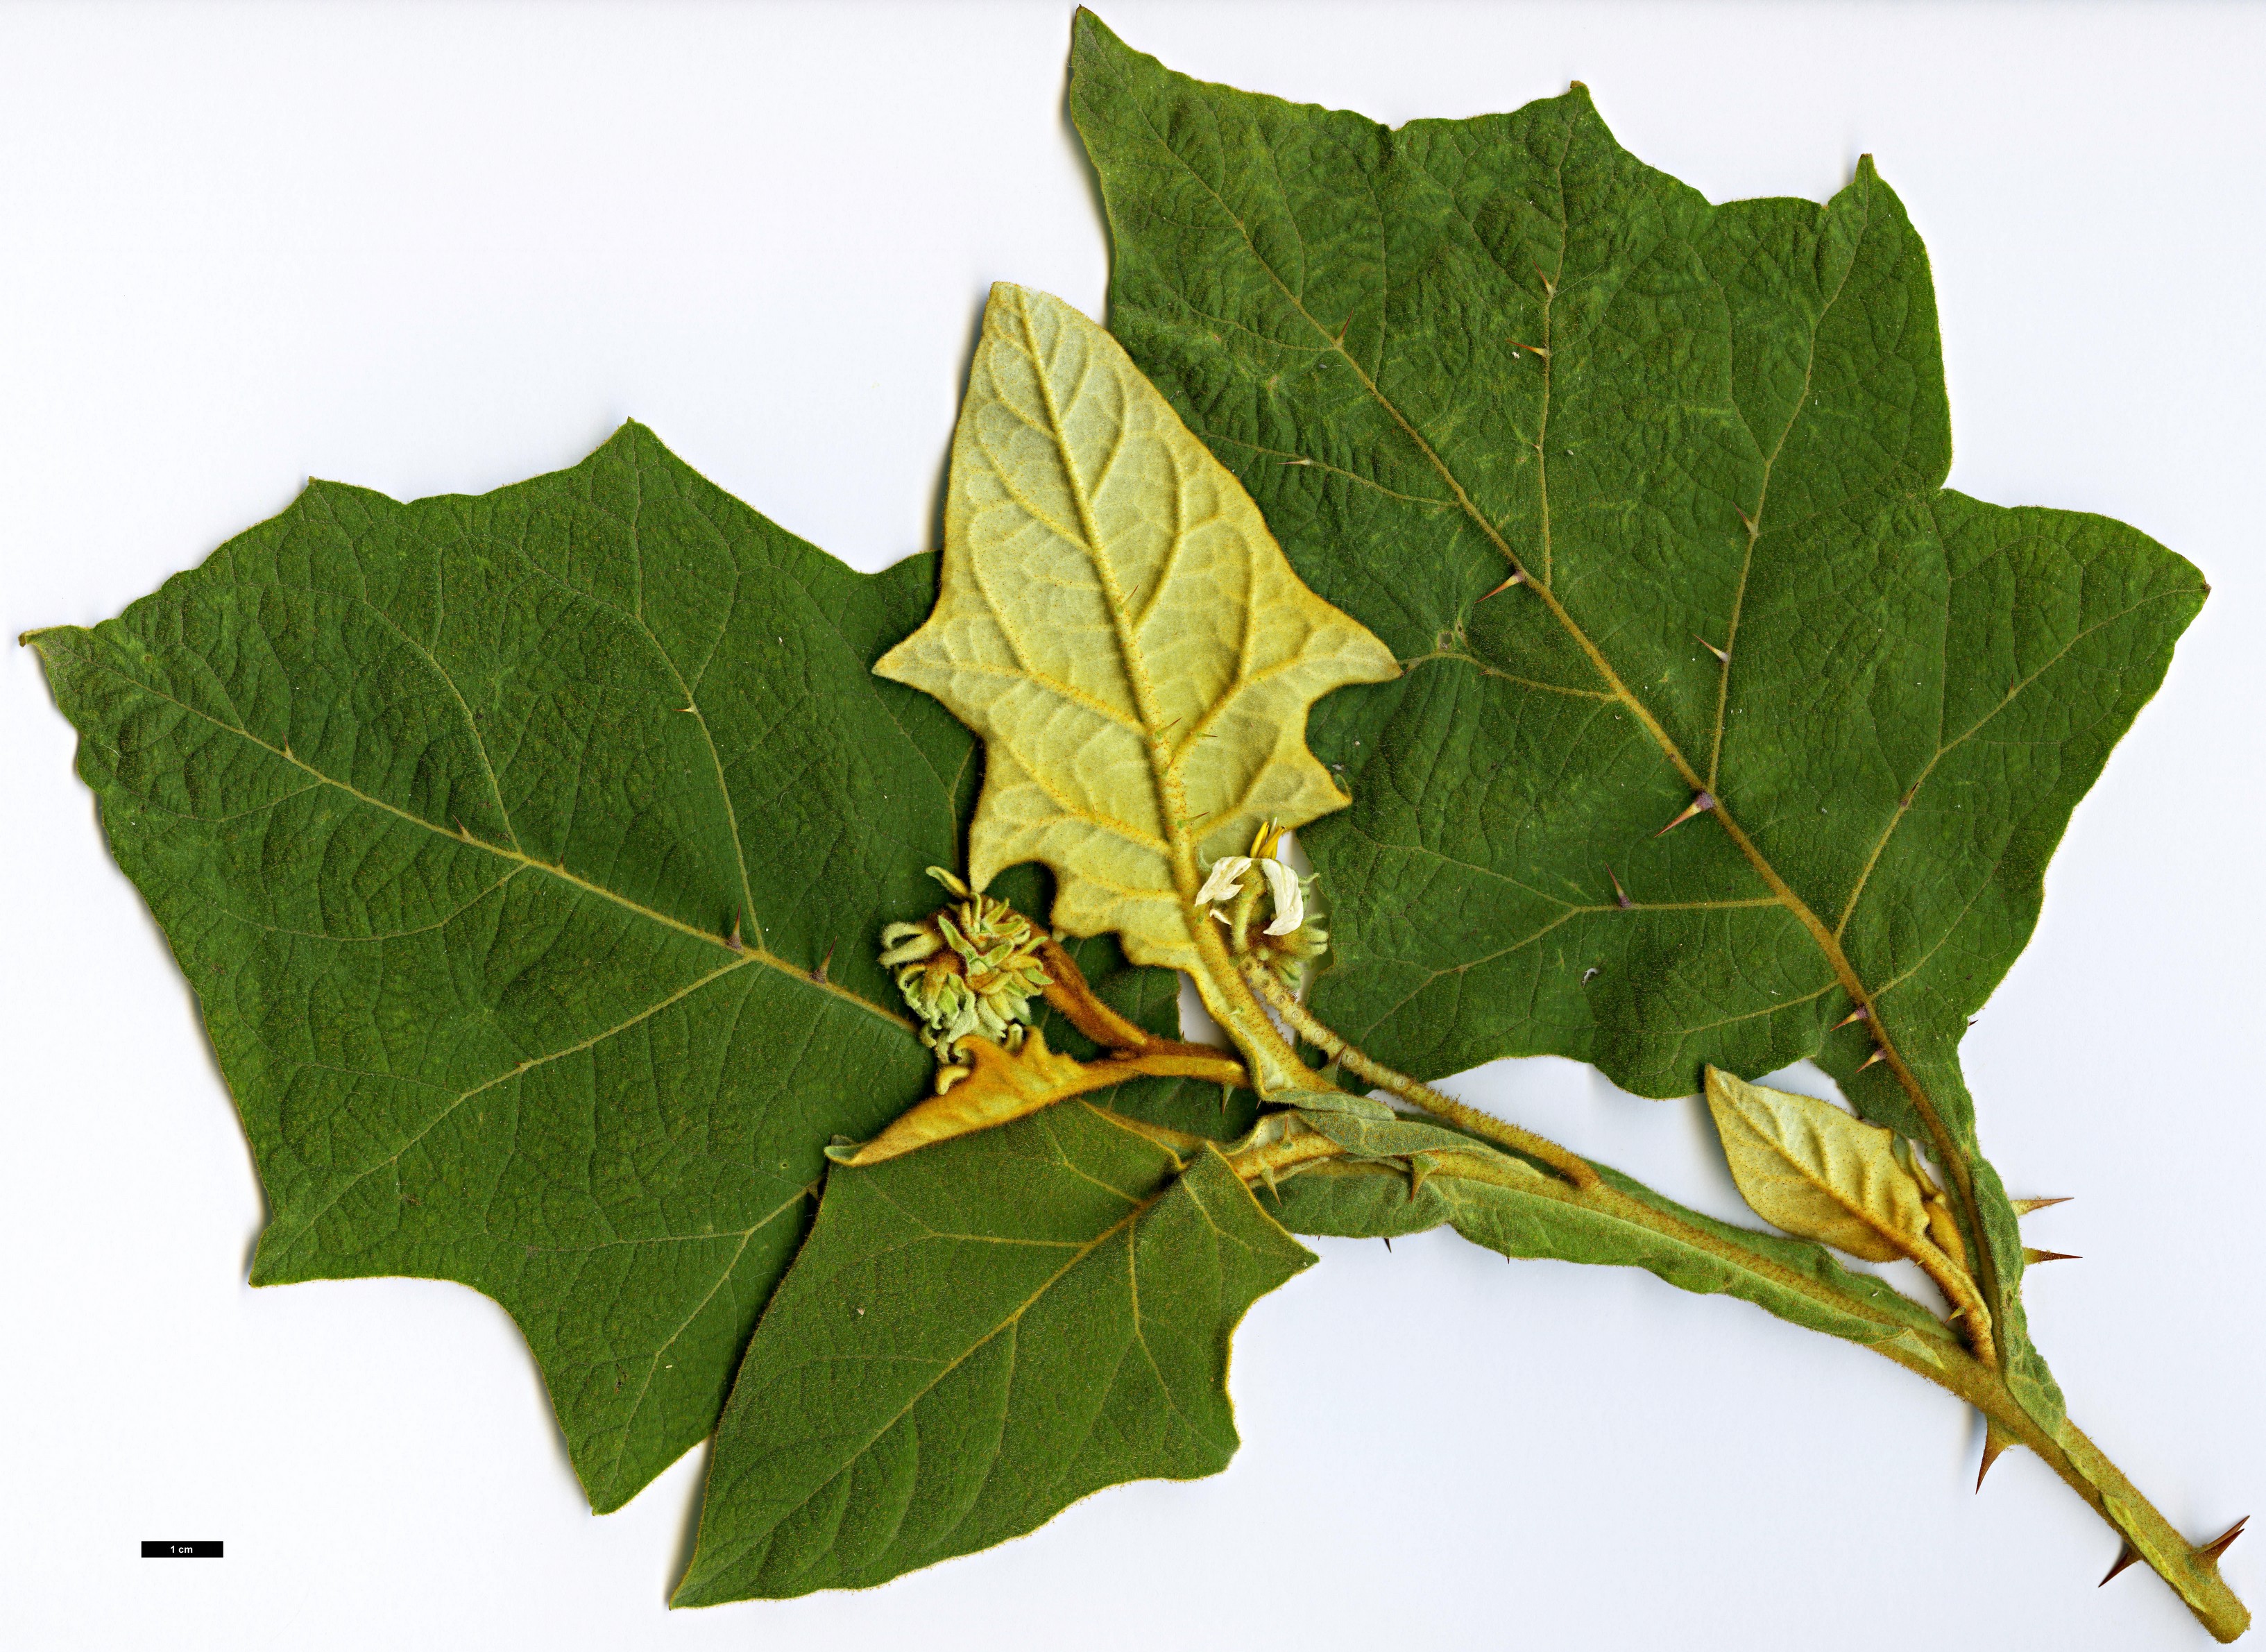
692,703
1082,1251
1827,942
1754,523
43,640
1779,1143
1179,853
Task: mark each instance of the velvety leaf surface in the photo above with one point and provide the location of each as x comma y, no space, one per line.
975,1336
449,811
1116,622
1710,442
1807,1167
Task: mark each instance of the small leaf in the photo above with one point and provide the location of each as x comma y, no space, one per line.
974,1338
1818,1173
1119,626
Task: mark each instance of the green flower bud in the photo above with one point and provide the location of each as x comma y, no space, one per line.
968,970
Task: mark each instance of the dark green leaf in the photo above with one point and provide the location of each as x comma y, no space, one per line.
415,793
1444,354
975,1336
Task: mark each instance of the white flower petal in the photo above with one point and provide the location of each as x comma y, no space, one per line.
1223,885
1290,899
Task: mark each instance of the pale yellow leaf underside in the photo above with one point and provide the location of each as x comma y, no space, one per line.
1116,623
1819,1173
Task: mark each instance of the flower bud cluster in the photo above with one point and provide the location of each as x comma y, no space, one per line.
971,970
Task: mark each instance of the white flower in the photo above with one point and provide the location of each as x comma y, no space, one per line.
1290,899
1226,882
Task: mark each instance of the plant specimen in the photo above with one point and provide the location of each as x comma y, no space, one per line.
761,978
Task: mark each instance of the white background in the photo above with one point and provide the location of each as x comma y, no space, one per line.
441,248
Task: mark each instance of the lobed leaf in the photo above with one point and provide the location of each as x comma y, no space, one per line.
526,853
975,1336
1707,443
1116,624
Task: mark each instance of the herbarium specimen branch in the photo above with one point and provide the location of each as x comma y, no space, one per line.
1578,582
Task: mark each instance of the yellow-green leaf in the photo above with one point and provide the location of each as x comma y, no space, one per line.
1117,623
1819,1173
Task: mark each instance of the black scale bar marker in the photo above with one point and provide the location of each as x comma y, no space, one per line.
188,1549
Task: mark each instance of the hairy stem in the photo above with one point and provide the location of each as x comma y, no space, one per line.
2190,1568
1969,1371
1486,1126
2192,1573
1275,1069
